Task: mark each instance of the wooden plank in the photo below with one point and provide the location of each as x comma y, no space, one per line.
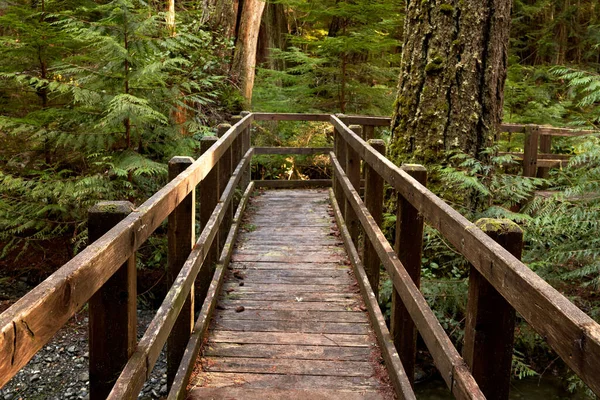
294,352
291,326
113,317
292,150
288,288
142,361
285,366
310,339
541,156
364,120
408,246
91,268
276,394
552,315
295,273
290,266
289,315
293,184
340,305
317,258
275,381
179,387
181,238
444,353
293,296
296,280
394,366
226,167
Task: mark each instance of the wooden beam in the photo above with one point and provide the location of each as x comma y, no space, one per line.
140,364
179,389
530,151
546,130
374,203
398,377
353,173
490,326
568,330
64,292
226,168
292,150
290,117
545,147
181,237
450,364
113,319
408,246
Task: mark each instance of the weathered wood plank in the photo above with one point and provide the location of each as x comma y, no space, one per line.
261,116
286,288
317,258
285,366
341,305
291,326
294,352
179,387
296,280
312,339
288,315
276,394
233,293
290,266
274,381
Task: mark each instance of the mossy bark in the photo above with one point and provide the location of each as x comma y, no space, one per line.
450,91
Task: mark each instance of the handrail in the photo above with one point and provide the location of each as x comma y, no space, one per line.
34,319
568,330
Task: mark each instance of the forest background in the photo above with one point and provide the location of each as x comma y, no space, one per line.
97,96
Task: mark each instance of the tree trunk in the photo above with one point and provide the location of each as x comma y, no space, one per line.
244,58
451,85
273,35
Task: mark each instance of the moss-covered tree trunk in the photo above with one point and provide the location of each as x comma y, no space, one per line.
450,91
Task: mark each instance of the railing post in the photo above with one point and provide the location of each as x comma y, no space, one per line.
545,147
236,154
245,139
208,201
181,238
369,132
353,172
112,315
340,153
226,169
530,151
408,245
374,203
490,325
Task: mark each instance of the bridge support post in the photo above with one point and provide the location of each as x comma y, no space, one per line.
245,137
408,246
113,308
226,168
181,238
374,203
236,154
545,147
353,173
490,325
209,198
530,151
340,153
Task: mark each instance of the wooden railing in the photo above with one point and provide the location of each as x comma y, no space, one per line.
104,273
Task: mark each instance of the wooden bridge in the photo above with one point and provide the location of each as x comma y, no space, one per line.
285,297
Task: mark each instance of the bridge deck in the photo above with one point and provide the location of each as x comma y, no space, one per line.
290,322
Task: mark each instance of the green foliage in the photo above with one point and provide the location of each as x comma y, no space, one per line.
585,87
343,57
102,96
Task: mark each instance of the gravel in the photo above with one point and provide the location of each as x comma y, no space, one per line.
60,369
